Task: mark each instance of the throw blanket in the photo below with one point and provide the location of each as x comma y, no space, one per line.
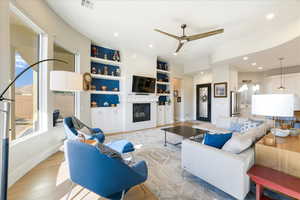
106,150
81,127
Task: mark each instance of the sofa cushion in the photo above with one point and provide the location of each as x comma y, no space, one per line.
247,125
238,143
235,127
216,140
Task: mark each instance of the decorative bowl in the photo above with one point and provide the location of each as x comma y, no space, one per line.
280,132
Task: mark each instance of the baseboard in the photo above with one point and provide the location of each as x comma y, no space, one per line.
21,170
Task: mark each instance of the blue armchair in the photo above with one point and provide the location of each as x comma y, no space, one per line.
110,178
72,133
122,146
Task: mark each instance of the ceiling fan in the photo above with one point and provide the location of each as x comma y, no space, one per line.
183,39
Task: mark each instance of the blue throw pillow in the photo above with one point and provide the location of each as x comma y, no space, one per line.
216,140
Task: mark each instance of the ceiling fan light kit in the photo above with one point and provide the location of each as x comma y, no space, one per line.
184,38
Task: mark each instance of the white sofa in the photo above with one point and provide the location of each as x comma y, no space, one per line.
226,171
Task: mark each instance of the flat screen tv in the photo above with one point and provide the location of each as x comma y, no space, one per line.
141,84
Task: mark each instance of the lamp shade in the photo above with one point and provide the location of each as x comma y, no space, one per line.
273,105
66,81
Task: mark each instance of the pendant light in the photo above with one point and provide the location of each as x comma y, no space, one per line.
281,75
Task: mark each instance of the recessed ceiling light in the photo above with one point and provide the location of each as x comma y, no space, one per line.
175,54
150,45
116,34
245,58
254,64
202,73
270,16
260,68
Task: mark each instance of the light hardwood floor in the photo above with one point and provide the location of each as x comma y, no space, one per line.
49,181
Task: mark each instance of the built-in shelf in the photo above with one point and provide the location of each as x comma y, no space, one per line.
104,92
105,61
106,77
163,83
162,71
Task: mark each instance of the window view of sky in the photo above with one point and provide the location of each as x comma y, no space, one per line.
27,78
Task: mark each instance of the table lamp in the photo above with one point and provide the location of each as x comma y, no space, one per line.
274,105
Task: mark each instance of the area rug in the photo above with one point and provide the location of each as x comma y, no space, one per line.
166,178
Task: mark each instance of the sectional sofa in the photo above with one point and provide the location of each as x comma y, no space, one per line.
223,169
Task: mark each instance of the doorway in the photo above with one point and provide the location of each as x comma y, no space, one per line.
177,99
203,102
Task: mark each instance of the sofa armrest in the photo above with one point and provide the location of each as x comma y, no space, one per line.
217,166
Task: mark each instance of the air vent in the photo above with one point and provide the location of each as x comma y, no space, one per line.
87,3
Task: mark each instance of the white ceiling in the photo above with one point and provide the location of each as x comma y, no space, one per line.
269,59
135,21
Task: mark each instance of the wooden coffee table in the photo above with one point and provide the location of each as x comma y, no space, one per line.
184,131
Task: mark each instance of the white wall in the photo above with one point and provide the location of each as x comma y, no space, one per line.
188,97
220,107
202,63
29,151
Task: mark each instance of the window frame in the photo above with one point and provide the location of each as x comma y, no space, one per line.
42,75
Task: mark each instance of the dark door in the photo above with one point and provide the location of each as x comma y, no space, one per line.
204,102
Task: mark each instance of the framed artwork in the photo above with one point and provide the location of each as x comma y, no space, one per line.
178,99
220,90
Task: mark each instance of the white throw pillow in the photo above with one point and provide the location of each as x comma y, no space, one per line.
238,143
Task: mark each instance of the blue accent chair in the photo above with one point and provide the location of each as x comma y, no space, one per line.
105,176
121,146
72,133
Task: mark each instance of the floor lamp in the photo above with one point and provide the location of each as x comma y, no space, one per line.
5,127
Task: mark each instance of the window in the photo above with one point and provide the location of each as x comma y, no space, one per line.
24,51
63,102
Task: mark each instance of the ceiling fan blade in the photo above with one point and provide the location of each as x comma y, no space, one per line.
168,34
204,35
179,46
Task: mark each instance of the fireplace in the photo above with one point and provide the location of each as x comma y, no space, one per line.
141,112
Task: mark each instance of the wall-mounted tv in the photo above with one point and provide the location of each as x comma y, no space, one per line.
141,84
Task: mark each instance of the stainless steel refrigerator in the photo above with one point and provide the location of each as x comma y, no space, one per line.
235,98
